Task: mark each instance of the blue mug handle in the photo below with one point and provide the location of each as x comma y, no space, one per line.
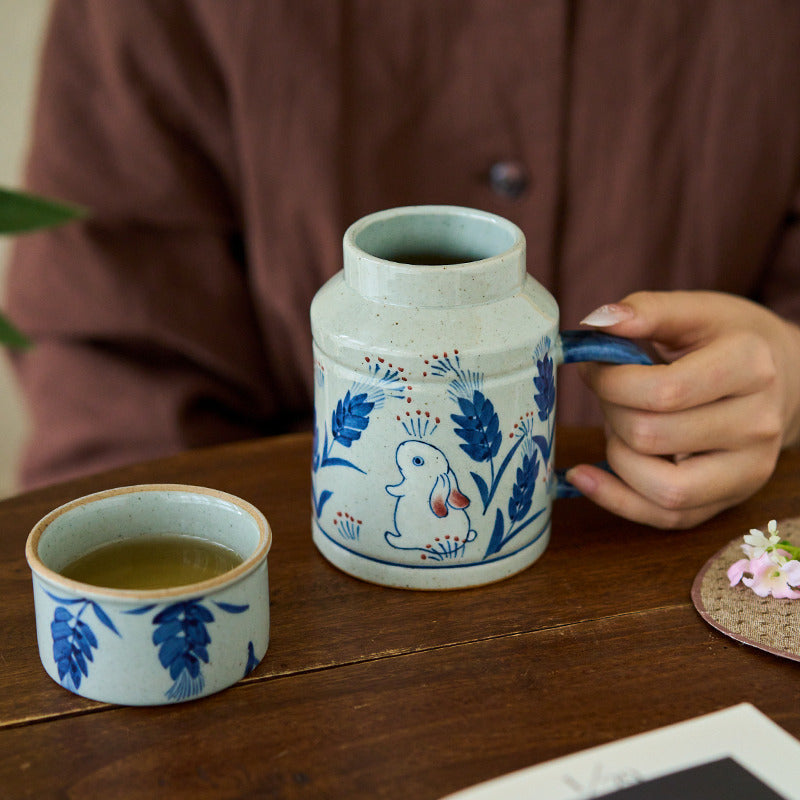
594,346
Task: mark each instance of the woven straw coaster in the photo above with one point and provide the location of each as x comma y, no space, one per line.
762,622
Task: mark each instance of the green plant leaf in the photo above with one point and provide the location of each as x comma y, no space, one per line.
21,212
10,336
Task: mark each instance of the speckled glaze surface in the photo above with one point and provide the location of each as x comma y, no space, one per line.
156,646
435,396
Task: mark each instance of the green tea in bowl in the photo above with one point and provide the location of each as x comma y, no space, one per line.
153,562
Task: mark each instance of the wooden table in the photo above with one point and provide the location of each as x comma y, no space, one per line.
383,693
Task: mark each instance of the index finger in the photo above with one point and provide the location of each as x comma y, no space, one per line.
725,367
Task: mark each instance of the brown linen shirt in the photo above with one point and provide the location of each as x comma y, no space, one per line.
223,148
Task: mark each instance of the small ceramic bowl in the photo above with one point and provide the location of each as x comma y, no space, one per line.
154,646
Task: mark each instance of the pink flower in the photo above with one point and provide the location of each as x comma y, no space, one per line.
792,571
771,567
737,569
772,573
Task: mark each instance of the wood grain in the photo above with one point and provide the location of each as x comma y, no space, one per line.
418,725
374,692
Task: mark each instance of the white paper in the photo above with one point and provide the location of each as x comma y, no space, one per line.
741,732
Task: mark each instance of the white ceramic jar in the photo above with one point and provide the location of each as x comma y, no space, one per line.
435,357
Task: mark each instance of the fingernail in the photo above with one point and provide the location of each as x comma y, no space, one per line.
581,480
608,315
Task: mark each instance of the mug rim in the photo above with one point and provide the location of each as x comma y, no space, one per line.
454,212
495,276
224,580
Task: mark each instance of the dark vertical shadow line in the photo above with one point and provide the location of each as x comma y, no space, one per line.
346,122
562,200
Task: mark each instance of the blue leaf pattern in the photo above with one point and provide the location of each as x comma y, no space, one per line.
315,446
168,630
546,386
232,608
479,426
141,610
182,636
482,488
252,660
319,502
350,418
496,541
74,640
519,503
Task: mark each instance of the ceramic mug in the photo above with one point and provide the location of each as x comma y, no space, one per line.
154,646
435,359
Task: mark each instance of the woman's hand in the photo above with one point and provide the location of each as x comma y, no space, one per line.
701,432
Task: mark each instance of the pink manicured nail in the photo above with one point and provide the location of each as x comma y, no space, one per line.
608,315
581,480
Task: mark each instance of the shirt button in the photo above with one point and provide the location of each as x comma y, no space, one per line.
508,179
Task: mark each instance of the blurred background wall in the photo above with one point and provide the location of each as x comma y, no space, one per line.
22,24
